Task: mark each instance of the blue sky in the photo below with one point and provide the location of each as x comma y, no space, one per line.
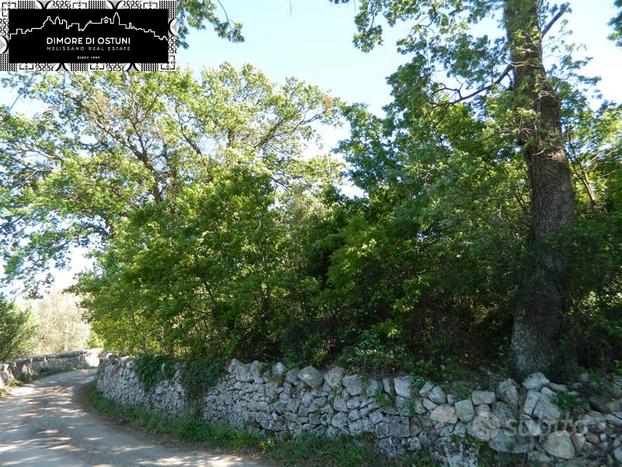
312,40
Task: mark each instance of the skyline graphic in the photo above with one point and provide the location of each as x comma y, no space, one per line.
115,20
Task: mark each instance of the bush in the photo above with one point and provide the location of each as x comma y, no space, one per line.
16,331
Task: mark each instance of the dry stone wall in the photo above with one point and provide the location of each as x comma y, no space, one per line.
536,418
31,366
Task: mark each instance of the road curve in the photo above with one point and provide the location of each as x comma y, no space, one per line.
46,424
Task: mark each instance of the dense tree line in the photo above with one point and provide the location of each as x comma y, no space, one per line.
489,197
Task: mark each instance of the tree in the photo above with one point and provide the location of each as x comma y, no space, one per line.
617,25
543,297
185,188
60,324
473,70
16,330
195,13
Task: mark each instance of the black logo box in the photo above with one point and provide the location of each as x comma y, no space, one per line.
89,36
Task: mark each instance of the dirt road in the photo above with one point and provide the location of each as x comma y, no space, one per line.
46,423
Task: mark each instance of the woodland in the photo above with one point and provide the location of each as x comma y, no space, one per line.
487,232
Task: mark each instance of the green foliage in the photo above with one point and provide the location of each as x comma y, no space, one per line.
212,237
372,354
571,404
150,370
196,375
16,331
191,191
195,14
60,325
441,242
617,25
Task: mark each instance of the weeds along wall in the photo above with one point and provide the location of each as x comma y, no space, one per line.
539,419
26,368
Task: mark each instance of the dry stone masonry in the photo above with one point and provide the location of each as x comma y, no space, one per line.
536,418
28,367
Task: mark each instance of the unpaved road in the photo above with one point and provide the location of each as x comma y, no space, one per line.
46,423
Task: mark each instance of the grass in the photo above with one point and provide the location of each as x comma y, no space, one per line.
305,450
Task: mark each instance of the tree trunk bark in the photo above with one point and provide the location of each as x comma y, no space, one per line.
541,302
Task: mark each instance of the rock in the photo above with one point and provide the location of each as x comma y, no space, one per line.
602,403
339,403
504,442
445,431
558,387
507,391
451,399
437,395
465,410
311,377
460,429
376,417
615,406
617,454
592,438
398,427
428,404
535,381
242,372
455,454
353,403
390,446
505,414
596,418
530,402
353,384
402,405
530,427
483,410
559,444
339,420
360,426
425,390
256,369
546,410
578,441
484,427
483,397
334,376
418,407
374,388
387,385
538,458
412,444
614,420
291,376
404,386
444,414
278,369
548,393
233,365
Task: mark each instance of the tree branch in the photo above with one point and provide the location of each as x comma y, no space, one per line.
508,68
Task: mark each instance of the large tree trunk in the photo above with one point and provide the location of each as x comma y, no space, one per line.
541,303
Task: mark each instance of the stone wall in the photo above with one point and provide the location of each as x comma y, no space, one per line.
31,366
538,418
